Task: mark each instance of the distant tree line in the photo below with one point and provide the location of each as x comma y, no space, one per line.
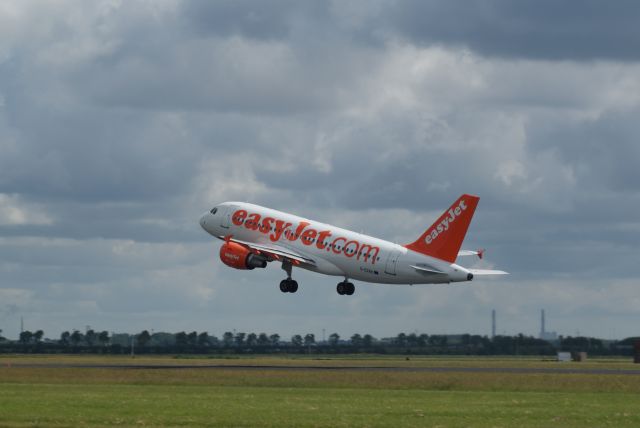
102,342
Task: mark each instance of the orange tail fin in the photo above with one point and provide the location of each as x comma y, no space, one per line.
444,238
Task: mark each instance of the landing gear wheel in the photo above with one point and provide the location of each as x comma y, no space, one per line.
345,288
350,289
288,286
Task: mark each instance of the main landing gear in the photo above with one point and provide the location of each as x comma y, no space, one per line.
345,287
288,285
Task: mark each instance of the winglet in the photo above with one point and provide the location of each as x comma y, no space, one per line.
444,238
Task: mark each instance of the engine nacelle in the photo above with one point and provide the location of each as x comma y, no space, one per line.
240,257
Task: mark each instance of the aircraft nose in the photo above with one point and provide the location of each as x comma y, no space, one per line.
203,221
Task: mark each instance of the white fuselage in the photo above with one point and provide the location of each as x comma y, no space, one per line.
334,251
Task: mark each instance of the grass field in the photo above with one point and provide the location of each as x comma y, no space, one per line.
36,396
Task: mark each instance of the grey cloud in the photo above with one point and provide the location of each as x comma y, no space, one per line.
124,124
78,153
259,20
548,29
604,150
228,75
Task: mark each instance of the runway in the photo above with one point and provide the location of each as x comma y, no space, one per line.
518,370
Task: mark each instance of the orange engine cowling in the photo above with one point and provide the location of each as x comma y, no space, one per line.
240,257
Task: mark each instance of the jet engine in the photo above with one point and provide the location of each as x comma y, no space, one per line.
240,257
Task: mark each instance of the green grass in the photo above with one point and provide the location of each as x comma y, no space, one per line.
324,360
275,398
188,405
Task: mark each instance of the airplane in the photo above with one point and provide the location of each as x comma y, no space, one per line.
255,236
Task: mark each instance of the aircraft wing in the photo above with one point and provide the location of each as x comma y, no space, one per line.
275,251
480,272
478,253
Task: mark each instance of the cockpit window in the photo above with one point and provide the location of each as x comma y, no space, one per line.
214,210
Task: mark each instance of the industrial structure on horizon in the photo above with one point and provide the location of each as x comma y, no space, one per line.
493,323
544,334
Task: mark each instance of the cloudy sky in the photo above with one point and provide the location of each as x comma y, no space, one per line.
122,121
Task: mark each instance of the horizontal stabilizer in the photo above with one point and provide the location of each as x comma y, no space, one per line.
478,253
480,272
